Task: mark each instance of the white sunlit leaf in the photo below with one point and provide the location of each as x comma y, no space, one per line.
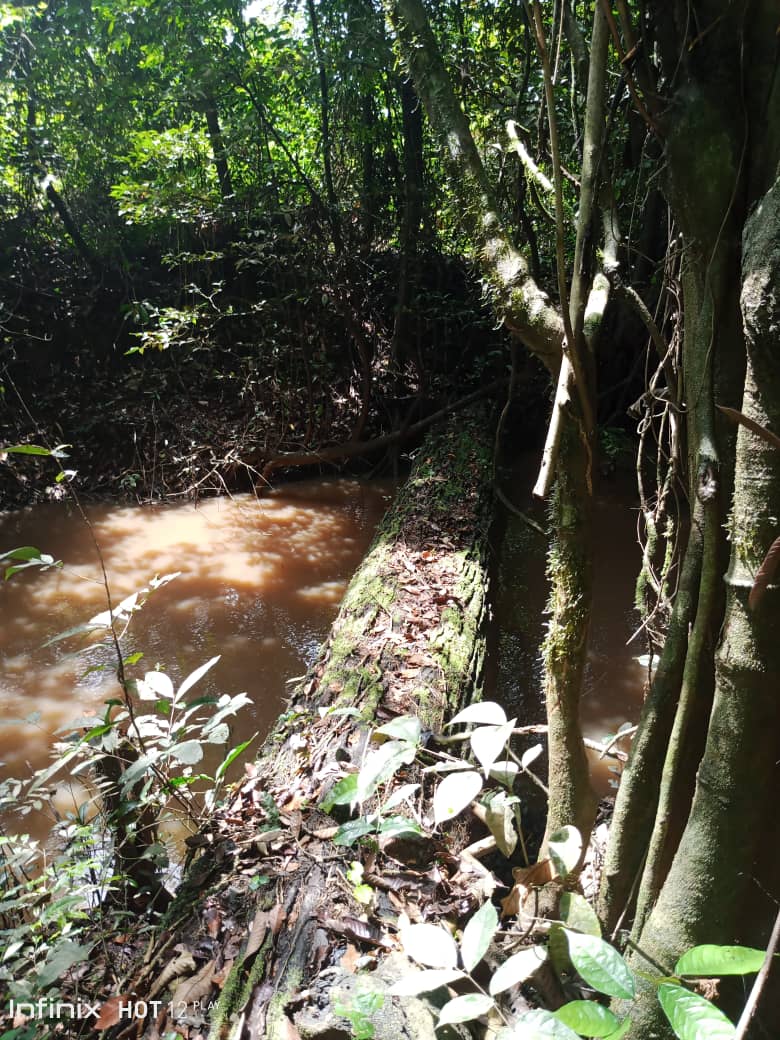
188,752
160,684
530,755
488,743
425,981
517,969
483,713
193,677
454,793
465,1008
429,945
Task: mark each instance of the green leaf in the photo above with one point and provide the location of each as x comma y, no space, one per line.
588,1018
342,793
454,793
565,847
24,552
349,832
429,945
600,965
484,713
691,1016
577,913
477,936
541,1025
400,826
517,969
464,1009
405,727
64,955
28,449
720,960
425,981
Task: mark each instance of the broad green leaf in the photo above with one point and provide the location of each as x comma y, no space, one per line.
577,913
517,969
398,826
232,757
621,1030
477,936
484,713
64,955
541,1025
188,752
193,677
691,1016
238,750
28,449
454,793
342,793
720,960
425,981
405,727
488,743
565,848
381,764
600,965
429,945
349,832
24,552
500,819
588,1018
464,1009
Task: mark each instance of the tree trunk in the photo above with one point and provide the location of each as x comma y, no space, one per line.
218,149
409,639
718,171
330,190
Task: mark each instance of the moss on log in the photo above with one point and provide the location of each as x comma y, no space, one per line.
265,900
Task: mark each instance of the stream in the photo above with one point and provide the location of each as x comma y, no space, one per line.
260,582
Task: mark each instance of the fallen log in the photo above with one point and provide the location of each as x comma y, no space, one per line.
269,911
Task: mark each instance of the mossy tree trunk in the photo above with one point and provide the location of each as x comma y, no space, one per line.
563,338
722,151
409,639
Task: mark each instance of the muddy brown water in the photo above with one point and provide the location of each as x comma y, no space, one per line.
260,584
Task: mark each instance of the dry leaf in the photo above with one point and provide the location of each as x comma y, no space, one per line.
193,989
276,917
110,1011
350,958
222,975
257,932
213,920
536,875
178,966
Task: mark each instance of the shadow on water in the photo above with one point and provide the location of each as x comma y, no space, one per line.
260,584
614,681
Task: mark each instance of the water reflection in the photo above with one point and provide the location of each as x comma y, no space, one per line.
260,583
